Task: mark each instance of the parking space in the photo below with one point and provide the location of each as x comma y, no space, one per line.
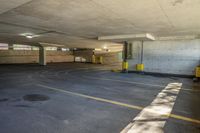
63,97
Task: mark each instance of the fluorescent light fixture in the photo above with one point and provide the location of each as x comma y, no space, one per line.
145,37
29,36
186,37
51,44
105,47
98,49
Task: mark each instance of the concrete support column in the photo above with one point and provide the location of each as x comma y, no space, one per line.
10,46
142,52
59,49
125,56
125,51
93,58
42,56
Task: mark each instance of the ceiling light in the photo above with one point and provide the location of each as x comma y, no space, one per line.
97,49
29,36
144,37
104,47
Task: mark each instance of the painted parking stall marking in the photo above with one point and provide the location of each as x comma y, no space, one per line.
153,117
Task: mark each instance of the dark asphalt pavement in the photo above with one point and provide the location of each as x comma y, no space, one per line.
26,107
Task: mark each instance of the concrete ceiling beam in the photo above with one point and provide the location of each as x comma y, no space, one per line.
131,37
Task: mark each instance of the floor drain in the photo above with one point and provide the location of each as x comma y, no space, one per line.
35,97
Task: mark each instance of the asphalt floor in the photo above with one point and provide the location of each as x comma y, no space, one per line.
86,98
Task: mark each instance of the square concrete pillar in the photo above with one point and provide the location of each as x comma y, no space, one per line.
42,56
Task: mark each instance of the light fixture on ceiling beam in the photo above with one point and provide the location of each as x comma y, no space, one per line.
51,44
105,47
29,36
144,37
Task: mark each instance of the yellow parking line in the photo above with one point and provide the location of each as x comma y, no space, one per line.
94,98
118,103
140,83
192,90
123,81
184,118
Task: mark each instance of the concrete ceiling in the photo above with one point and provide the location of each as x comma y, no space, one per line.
78,23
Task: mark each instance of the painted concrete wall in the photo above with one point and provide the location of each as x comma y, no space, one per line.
175,57
21,56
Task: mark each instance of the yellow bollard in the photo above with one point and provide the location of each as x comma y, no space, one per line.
197,74
125,65
101,60
140,67
93,59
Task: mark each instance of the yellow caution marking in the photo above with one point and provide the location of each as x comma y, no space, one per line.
125,65
184,118
192,90
94,98
139,83
123,81
118,103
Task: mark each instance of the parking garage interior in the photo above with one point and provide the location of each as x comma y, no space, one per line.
109,66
